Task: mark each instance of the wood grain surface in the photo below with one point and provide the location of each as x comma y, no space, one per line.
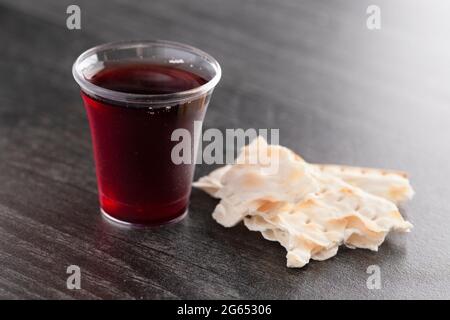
338,92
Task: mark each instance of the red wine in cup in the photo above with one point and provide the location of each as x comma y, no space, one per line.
138,181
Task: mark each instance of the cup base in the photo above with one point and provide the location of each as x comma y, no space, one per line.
122,223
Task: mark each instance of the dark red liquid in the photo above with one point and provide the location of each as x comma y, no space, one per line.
138,182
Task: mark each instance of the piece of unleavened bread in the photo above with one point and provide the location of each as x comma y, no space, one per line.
389,184
309,211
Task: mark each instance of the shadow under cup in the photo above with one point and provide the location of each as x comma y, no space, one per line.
136,95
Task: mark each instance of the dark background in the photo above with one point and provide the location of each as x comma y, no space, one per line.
339,93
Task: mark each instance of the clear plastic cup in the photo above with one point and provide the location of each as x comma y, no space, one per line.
136,94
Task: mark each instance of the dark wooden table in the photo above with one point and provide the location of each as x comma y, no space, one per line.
338,92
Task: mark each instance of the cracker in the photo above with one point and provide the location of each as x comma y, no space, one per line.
389,184
309,210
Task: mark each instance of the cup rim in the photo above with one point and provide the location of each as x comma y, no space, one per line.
139,99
